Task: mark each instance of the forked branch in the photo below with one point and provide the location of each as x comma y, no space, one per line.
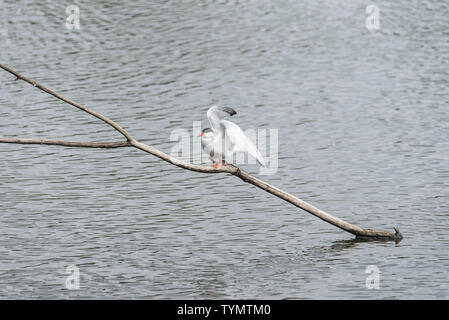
228,168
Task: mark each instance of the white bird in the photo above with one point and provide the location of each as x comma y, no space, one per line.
225,138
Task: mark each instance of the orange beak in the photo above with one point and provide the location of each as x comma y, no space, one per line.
202,134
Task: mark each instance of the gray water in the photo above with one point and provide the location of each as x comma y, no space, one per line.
363,134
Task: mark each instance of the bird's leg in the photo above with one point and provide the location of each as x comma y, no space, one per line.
213,162
219,163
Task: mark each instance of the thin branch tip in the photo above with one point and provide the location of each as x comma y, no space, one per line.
398,233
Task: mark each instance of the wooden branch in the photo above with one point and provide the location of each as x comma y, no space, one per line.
118,144
357,231
179,163
67,100
227,168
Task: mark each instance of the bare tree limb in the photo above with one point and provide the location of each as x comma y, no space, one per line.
227,168
67,100
118,144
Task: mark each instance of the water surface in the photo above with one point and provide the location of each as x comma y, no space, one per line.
363,134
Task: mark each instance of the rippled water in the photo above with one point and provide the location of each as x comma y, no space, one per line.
363,134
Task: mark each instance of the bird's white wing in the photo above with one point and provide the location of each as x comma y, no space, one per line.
215,114
214,118
239,141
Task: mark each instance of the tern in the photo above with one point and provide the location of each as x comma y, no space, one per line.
225,138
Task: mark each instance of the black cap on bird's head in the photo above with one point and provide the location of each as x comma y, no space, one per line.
205,130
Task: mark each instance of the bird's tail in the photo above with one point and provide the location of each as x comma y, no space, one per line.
260,159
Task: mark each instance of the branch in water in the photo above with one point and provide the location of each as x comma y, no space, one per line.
131,142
